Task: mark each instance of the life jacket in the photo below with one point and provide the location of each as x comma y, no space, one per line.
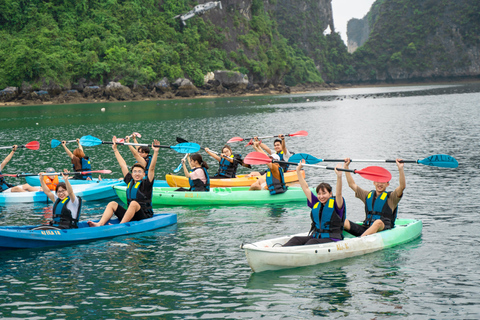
377,207
283,165
144,200
228,169
275,186
148,160
51,183
86,166
326,223
62,217
3,184
197,184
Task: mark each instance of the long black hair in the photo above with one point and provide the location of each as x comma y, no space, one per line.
197,157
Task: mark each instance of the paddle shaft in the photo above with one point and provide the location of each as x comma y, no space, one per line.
317,166
135,144
55,173
11,147
364,160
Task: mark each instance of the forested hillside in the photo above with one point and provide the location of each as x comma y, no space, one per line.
53,44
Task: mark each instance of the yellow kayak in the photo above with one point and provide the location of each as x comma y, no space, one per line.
239,181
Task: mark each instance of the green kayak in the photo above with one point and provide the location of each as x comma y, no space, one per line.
218,196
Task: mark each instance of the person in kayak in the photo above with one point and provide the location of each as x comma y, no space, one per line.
80,162
280,149
139,191
380,206
66,206
328,212
50,181
7,187
273,180
228,162
198,178
142,154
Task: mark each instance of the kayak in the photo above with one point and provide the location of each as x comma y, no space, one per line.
39,196
239,181
270,255
23,237
218,196
35,181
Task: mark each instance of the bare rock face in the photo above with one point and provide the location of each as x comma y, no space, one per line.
185,88
95,92
231,79
8,94
117,91
162,86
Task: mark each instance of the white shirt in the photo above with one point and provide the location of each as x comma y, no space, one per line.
73,206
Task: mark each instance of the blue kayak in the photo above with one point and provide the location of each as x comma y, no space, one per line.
34,181
16,237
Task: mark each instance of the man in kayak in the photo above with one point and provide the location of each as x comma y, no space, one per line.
280,149
7,187
380,206
273,180
50,181
328,212
139,191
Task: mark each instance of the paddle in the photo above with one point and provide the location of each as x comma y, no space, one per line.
55,143
373,173
90,141
436,160
32,145
181,164
120,140
54,173
181,140
301,133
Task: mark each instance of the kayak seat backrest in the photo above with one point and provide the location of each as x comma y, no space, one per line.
46,227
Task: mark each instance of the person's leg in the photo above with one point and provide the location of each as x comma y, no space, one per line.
257,185
297,241
376,226
106,216
318,241
29,188
131,210
353,228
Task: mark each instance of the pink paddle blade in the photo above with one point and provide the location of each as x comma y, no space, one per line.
374,173
235,139
301,133
257,158
33,145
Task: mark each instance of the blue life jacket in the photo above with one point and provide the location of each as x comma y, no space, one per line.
86,166
62,217
377,207
326,223
228,169
197,184
275,186
144,200
148,160
3,184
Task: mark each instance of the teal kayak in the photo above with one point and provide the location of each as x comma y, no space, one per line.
270,255
218,196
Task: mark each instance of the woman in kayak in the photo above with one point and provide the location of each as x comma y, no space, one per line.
198,178
139,191
328,212
80,162
7,187
228,162
66,207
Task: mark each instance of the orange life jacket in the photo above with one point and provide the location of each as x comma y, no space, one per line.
51,183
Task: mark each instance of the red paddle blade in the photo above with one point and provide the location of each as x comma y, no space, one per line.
120,140
96,171
33,145
301,133
138,135
257,158
374,173
235,139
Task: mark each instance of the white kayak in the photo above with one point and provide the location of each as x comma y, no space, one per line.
270,255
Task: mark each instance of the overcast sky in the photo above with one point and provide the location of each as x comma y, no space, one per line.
344,10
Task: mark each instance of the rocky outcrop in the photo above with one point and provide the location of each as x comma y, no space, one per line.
231,79
117,91
185,88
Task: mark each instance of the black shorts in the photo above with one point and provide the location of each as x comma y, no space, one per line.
358,229
305,240
221,177
139,215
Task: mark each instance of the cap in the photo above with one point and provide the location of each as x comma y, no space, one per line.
275,156
49,170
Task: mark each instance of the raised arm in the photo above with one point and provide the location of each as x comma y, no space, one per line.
302,181
8,158
185,170
71,194
79,145
45,188
213,155
121,161
151,170
135,152
348,175
338,190
257,145
284,145
401,178
64,145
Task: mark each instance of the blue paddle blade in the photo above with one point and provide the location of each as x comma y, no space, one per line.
55,143
90,141
309,159
440,160
186,147
178,168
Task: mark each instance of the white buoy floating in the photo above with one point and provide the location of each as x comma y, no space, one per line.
103,109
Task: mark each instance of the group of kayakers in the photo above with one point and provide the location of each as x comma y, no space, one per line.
328,210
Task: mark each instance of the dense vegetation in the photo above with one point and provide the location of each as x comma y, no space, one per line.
415,38
57,42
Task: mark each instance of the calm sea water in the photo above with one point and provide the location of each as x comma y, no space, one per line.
196,269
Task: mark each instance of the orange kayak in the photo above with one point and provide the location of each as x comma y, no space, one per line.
239,181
